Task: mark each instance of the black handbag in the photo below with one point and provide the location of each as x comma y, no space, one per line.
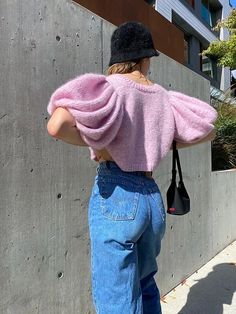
178,201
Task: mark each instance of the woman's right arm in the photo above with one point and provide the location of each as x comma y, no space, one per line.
62,126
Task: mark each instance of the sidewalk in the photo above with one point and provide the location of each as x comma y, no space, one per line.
210,290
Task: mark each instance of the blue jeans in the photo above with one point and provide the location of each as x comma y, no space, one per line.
126,223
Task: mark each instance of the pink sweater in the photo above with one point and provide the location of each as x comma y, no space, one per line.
135,123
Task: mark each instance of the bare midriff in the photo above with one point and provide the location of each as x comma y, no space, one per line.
103,155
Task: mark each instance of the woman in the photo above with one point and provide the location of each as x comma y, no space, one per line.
129,124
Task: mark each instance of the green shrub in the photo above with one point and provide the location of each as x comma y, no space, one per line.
224,145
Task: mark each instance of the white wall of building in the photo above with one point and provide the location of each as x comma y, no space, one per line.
225,78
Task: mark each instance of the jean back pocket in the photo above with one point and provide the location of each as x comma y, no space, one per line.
119,200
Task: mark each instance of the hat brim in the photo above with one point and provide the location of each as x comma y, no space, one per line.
130,56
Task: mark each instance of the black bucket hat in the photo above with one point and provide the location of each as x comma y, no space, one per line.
131,41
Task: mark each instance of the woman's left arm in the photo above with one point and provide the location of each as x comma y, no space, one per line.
62,126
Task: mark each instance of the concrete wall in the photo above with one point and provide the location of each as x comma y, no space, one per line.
193,240
45,184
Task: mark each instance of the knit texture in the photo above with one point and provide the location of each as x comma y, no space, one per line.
135,123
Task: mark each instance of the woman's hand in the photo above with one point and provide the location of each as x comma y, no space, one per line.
62,125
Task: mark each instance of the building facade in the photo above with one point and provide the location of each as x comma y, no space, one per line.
196,18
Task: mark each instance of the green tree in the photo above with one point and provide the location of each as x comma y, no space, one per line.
224,145
225,50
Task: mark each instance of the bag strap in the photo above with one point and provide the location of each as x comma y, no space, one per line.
174,163
175,159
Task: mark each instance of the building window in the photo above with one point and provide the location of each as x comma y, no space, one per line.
205,11
207,65
151,2
211,11
191,3
186,49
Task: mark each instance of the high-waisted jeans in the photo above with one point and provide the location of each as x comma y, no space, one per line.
126,223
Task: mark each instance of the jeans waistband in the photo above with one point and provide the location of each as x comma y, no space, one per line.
113,172
109,164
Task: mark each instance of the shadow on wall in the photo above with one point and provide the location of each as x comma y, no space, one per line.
209,294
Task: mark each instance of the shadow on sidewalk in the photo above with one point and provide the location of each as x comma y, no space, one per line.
209,294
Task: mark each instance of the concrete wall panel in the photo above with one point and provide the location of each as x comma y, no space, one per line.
45,185
223,208
178,255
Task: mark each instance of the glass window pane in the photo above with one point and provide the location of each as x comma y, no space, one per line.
190,2
151,2
207,66
205,12
186,49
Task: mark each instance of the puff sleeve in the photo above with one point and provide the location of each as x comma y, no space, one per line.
94,104
194,118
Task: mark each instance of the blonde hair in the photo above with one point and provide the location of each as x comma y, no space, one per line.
124,67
